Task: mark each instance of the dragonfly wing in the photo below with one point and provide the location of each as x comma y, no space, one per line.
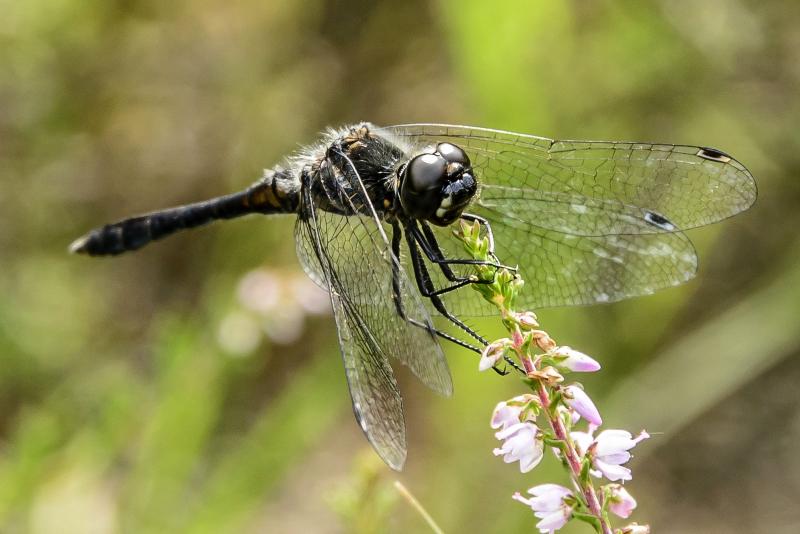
690,186
352,255
589,222
562,269
376,399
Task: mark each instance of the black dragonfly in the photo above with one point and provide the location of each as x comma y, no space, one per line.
585,222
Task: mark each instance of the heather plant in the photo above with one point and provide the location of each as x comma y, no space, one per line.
556,414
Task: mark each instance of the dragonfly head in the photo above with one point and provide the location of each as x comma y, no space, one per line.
437,186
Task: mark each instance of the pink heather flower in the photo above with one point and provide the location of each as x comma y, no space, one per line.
578,400
492,353
620,501
551,503
611,451
527,320
608,451
574,360
509,412
521,442
635,528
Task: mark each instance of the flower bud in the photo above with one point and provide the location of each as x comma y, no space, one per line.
514,410
527,320
492,353
578,400
620,501
574,360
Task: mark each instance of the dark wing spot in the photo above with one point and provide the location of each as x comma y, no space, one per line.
713,154
659,221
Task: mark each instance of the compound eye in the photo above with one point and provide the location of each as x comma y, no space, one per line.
426,172
453,154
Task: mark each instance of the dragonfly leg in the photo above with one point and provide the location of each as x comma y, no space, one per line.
434,250
397,236
430,247
425,285
396,296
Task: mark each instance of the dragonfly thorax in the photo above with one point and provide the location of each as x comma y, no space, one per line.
436,186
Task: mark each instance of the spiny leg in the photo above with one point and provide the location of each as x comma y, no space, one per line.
434,253
422,275
398,302
427,289
397,236
397,297
430,247
490,237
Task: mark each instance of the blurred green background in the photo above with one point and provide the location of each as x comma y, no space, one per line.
196,386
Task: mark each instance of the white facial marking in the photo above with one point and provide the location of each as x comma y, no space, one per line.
447,201
441,213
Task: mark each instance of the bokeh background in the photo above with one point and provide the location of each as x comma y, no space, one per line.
196,386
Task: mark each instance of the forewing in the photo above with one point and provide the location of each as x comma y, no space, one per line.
690,186
589,221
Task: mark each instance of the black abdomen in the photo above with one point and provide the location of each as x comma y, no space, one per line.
277,192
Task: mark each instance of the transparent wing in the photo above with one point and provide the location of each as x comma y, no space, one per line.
590,221
690,186
562,269
352,255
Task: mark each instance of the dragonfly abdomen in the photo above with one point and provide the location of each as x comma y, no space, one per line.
276,192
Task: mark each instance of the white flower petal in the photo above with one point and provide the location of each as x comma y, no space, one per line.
554,520
548,497
617,458
612,472
491,354
529,462
583,441
521,442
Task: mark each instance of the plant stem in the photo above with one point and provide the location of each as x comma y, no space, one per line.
501,293
573,459
587,488
415,504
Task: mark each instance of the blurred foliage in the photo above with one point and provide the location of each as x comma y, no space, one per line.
365,503
125,408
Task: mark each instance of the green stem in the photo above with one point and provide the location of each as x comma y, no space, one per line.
415,504
573,460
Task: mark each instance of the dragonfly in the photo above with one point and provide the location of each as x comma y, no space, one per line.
583,222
